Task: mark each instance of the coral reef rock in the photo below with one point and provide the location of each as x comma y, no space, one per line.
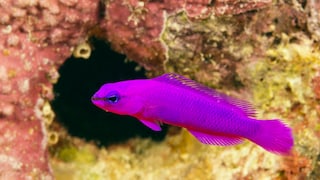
264,51
35,38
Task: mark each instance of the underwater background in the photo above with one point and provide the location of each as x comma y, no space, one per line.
54,55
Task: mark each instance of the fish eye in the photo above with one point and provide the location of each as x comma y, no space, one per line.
113,97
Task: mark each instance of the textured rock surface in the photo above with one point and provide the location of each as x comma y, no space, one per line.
245,48
135,27
35,38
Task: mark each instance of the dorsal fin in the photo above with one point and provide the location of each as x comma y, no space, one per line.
182,81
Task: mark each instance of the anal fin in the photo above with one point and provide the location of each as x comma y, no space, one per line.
216,139
152,125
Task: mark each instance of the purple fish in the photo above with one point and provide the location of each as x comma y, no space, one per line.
210,116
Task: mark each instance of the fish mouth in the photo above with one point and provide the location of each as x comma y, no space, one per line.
97,101
97,98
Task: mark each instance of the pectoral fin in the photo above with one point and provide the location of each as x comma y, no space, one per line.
152,125
215,139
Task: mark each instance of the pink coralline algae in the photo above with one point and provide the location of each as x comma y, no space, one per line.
35,38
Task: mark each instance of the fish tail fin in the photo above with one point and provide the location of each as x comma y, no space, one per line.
274,136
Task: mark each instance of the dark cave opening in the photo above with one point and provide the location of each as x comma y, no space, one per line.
78,81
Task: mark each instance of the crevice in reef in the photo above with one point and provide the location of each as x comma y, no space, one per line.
78,81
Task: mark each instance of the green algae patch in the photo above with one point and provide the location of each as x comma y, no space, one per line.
76,160
67,154
73,154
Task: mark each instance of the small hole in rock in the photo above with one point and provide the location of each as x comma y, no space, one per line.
84,51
